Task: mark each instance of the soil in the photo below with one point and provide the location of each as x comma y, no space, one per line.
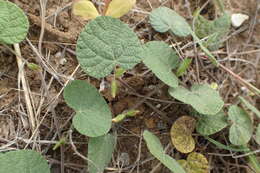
54,52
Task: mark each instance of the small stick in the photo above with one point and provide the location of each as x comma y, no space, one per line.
25,85
241,80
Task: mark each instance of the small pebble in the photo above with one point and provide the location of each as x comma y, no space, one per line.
237,19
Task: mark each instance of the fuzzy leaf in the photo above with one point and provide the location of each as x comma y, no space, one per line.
23,161
118,8
241,130
257,134
164,19
100,150
156,149
85,9
215,30
202,98
105,43
93,117
161,59
181,134
14,24
210,124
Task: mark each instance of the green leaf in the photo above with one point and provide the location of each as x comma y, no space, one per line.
241,130
161,59
105,43
210,124
185,64
215,30
156,149
257,134
100,150
202,98
164,19
93,117
23,161
250,106
14,24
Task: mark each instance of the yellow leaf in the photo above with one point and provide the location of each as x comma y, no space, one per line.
195,163
85,9
198,163
181,132
118,8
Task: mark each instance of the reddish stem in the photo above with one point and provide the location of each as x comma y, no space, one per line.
107,2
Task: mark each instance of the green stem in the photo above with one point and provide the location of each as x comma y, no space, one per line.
254,162
220,5
205,50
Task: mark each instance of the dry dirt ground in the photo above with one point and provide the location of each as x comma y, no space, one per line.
51,44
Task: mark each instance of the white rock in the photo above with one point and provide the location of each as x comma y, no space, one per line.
238,19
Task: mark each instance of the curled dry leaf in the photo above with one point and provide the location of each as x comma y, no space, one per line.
85,9
118,8
181,132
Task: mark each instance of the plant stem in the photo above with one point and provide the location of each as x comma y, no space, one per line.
220,5
107,2
207,52
241,80
21,76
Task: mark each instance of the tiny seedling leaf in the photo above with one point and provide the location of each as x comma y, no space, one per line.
185,64
100,150
241,130
181,134
215,30
161,59
164,19
250,106
257,134
14,24
105,43
211,124
85,9
156,149
202,98
23,161
93,117
118,8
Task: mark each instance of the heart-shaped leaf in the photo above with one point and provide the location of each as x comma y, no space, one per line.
85,9
181,134
23,161
118,8
195,163
164,19
156,149
100,150
215,30
241,130
105,43
202,98
161,59
14,24
93,117
210,124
